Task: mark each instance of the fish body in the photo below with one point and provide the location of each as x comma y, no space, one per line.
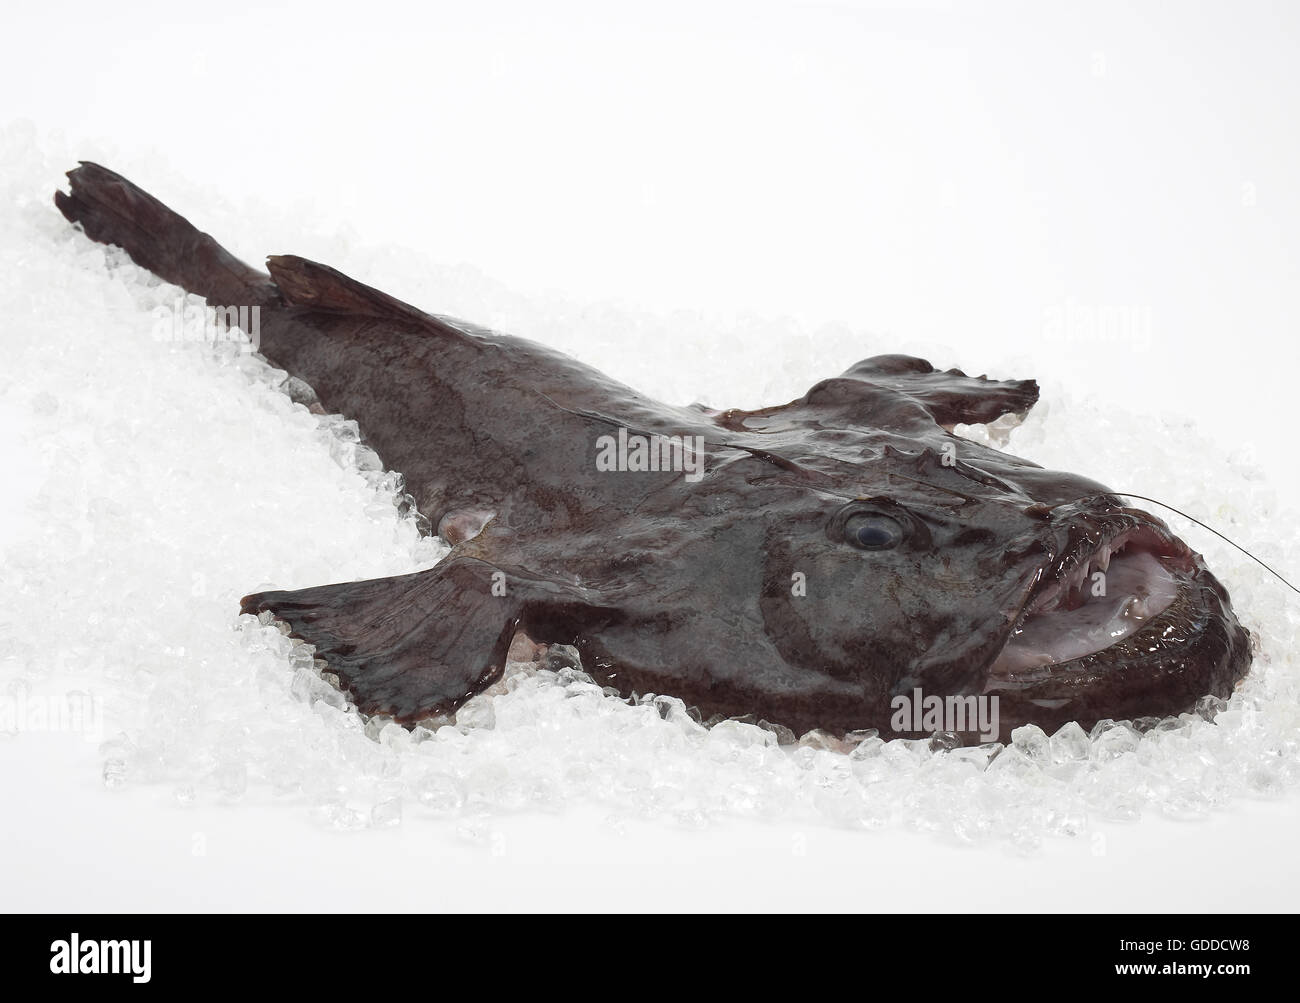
828,563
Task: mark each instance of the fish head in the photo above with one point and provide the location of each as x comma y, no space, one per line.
956,570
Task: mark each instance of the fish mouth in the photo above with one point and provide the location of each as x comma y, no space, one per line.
1109,583
1125,621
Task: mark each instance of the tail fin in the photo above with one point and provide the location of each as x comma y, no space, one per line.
112,210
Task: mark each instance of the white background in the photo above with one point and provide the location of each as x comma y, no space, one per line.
951,175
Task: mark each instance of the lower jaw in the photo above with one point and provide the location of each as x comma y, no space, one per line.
1193,648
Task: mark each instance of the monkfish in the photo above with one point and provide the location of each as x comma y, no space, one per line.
842,562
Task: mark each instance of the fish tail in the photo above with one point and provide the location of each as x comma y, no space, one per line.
112,210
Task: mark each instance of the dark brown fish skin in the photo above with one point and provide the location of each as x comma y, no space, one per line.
674,586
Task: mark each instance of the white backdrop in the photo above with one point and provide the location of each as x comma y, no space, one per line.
1102,196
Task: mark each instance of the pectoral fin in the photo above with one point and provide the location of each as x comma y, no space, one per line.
413,646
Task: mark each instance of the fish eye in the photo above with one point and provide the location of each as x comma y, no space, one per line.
872,531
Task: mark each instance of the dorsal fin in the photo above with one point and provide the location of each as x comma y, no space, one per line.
310,284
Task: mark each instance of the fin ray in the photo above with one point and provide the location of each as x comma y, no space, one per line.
412,646
313,286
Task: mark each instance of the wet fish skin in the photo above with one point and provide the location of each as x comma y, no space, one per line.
745,591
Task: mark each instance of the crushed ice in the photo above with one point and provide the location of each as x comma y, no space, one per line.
169,479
